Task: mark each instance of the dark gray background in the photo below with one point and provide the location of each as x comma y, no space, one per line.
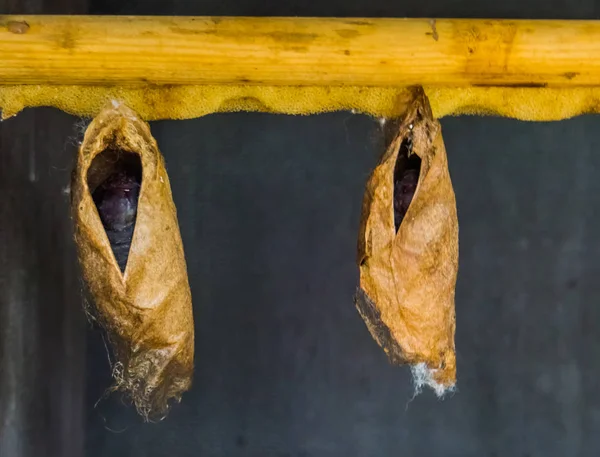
269,209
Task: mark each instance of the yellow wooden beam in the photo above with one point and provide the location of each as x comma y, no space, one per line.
137,51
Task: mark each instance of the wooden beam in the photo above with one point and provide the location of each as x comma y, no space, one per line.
130,51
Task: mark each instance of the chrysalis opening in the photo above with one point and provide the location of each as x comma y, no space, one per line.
114,179
406,177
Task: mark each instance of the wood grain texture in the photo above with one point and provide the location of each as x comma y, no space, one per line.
298,51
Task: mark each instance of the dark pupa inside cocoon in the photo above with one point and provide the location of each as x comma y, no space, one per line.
406,177
114,179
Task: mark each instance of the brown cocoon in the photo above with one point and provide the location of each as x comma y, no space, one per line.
146,311
408,251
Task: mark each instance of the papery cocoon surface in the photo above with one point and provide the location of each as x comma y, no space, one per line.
408,249
132,260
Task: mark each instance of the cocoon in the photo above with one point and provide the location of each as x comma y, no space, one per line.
408,250
132,260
